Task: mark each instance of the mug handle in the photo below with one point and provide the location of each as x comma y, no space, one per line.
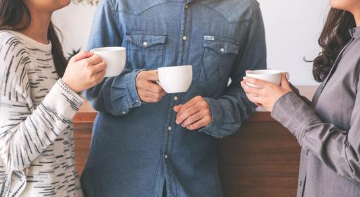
287,75
158,82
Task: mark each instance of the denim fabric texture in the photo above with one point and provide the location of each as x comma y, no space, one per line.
136,146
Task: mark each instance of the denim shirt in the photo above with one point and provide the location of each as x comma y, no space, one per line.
137,147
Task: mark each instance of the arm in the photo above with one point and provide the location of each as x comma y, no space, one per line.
115,95
25,132
233,107
297,92
336,148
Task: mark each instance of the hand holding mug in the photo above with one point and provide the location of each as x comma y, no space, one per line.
147,88
265,94
84,71
194,114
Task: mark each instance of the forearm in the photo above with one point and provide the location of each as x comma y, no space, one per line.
116,95
228,112
333,146
25,134
297,92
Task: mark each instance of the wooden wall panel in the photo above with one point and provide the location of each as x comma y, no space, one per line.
260,160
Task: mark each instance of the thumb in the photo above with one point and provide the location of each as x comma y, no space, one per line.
284,81
177,108
82,55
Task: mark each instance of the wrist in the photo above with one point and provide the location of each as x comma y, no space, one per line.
66,82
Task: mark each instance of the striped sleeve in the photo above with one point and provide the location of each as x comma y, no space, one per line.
25,130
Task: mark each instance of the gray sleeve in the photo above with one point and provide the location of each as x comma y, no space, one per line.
336,148
297,92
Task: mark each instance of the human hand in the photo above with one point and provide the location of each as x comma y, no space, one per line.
265,94
147,89
194,114
85,70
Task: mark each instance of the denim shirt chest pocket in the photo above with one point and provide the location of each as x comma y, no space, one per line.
145,51
217,62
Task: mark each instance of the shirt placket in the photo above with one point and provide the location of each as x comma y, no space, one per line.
175,98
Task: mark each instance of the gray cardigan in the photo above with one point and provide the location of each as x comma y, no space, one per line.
328,129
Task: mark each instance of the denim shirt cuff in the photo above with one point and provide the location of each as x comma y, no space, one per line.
134,96
216,118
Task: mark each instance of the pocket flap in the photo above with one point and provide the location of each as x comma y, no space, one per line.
222,47
146,41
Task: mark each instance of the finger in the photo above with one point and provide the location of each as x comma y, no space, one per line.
177,108
182,116
192,119
153,98
152,95
99,77
152,76
82,55
100,67
254,99
187,105
284,81
149,100
199,124
151,87
95,59
249,89
257,82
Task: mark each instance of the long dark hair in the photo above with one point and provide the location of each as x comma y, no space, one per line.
333,38
15,16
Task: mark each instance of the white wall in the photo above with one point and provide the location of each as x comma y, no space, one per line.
292,30
75,23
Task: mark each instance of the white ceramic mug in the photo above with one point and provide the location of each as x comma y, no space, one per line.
273,76
175,79
115,58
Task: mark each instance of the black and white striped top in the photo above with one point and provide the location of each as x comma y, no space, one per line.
36,133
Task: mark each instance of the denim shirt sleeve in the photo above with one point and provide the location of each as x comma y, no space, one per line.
233,106
115,95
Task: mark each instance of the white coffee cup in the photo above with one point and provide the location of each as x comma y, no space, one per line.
175,79
273,76
115,58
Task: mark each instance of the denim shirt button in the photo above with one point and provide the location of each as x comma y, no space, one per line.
186,7
169,128
222,50
176,98
145,43
166,156
184,38
123,112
